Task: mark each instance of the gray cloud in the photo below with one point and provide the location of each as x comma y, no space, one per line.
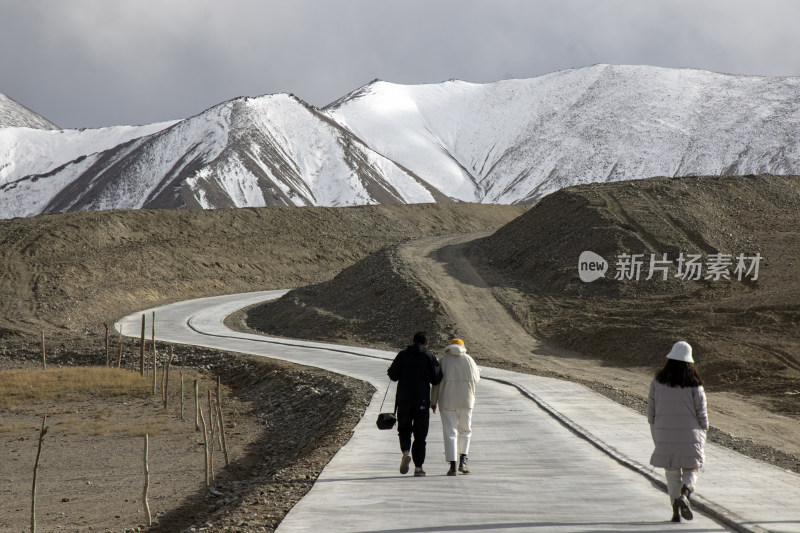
89,63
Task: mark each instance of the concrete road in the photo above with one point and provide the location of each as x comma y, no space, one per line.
546,455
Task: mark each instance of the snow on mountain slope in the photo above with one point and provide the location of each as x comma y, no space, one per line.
27,151
15,115
272,150
517,140
282,152
512,141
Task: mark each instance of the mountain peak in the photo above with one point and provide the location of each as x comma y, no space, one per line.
15,115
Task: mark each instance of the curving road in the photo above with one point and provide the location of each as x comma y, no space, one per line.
547,455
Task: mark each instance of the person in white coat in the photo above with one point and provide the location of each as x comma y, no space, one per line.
678,417
455,397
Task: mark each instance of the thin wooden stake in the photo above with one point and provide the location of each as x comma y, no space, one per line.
213,432
141,351
119,355
196,406
145,503
211,414
35,473
164,384
205,441
222,432
182,418
108,357
155,361
166,376
44,358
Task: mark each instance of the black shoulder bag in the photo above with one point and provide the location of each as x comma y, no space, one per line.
386,420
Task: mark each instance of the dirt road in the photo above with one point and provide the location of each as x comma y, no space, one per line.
441,264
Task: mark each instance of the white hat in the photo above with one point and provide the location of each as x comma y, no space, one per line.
681,351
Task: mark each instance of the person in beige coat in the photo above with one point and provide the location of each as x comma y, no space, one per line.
678,417
455,396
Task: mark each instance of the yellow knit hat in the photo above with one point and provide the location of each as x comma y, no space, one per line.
457,341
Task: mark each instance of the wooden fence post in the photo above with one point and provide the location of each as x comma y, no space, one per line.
196,406
213,432
221,422
119,355
141,351
205,442
155,362
108,357
44,358
145,503
221,434
182,418
166,376
35,472
164,384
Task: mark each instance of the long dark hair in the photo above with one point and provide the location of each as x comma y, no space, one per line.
679,374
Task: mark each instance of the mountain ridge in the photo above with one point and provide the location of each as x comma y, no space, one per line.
510,141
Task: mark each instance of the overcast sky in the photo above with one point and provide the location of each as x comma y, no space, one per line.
91,63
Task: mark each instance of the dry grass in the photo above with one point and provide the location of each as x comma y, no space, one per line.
14,427
21,387
98,426
93,401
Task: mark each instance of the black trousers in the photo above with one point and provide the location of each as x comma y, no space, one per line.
413,420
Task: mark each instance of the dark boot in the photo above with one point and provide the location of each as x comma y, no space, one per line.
452,471
462,464
676,517
683,503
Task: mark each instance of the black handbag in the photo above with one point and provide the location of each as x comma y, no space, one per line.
386,420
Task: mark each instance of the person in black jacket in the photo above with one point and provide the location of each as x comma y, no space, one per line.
415,369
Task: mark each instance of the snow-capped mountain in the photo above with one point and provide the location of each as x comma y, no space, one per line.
511,141
517,140
272,150
15,115
28,151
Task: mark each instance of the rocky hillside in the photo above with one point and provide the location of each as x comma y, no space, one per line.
742,328
375,302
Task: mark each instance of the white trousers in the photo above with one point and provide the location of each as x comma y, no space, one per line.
676,477
457,430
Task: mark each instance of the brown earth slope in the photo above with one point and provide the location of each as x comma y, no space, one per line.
69,273
510,293
743,331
